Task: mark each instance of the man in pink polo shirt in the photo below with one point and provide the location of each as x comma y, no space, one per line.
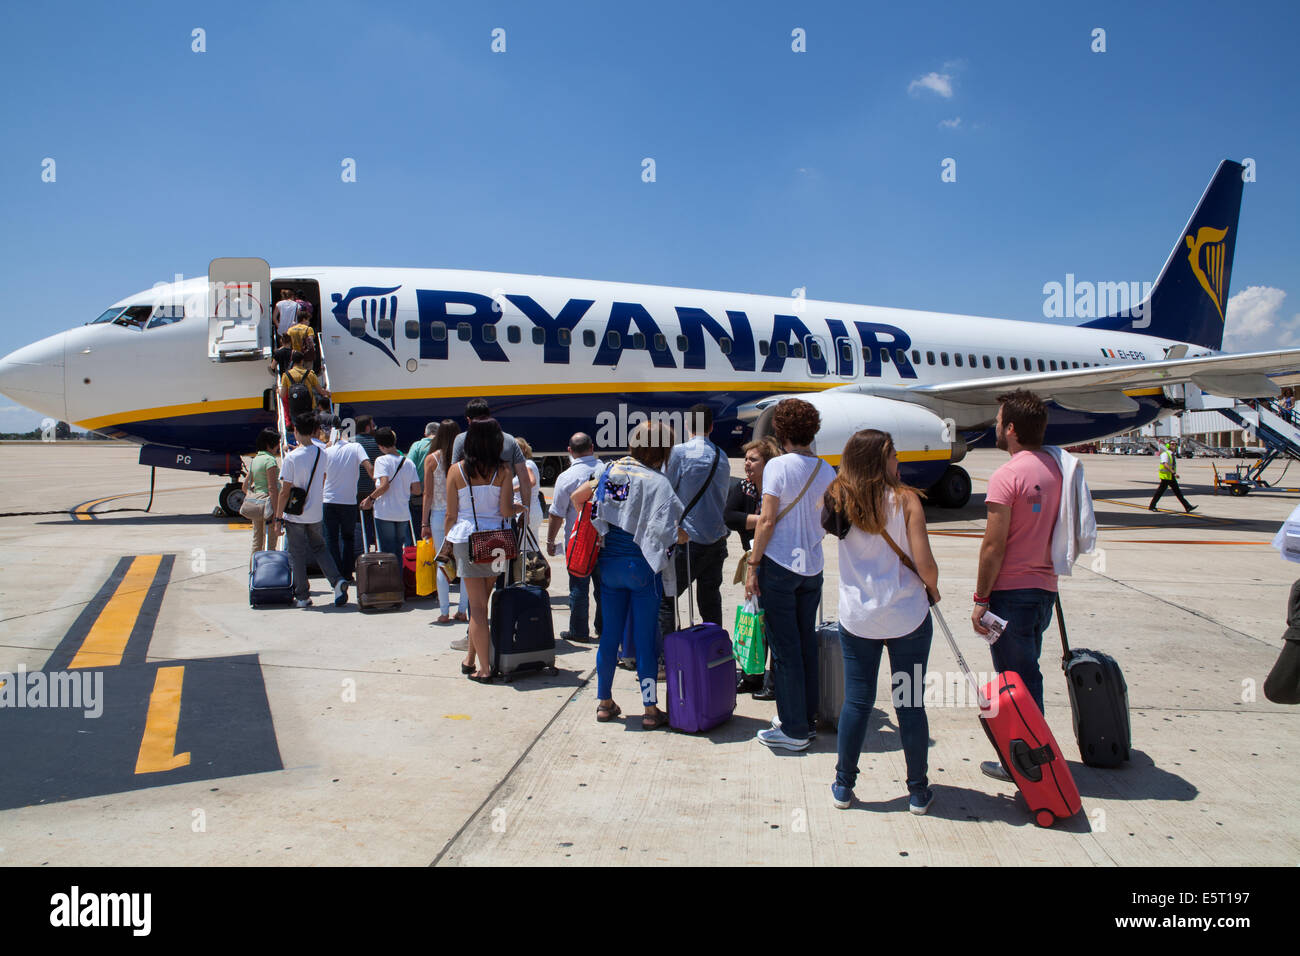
1016,578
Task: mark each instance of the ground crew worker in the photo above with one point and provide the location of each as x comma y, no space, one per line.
1169,477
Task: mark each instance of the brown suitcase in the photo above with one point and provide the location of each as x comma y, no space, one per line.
379,577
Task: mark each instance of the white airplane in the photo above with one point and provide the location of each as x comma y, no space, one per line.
182,371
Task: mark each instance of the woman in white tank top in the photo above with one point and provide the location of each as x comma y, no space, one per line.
436,467
883,605
479,498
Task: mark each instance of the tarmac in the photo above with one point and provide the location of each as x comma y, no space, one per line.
234,736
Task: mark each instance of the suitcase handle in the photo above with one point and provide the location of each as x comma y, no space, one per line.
1029,761
1060,623
961,661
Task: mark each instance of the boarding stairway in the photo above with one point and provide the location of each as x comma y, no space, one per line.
282,397
1276,428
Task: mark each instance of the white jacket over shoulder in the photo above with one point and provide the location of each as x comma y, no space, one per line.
1076,525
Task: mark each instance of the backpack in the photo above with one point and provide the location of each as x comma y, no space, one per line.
300,396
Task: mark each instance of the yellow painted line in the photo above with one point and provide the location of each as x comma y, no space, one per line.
583,388
173,411
456,717
158,746
105,643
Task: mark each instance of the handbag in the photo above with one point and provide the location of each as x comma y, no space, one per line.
537,571
583,547
485,547
298,496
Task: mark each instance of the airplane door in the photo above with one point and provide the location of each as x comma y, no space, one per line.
239,310
815,354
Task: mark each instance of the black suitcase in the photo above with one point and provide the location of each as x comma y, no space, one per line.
1098,702
270,578
519,623
830,665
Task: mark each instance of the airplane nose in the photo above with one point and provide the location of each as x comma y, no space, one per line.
33,376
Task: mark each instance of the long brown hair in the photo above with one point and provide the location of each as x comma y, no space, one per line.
859,491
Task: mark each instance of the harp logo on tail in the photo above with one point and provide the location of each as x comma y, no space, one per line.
1207,255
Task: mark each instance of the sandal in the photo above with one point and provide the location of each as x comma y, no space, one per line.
443,619
609,713
468,668
654,721
461,616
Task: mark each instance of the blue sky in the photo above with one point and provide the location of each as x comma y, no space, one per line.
773,169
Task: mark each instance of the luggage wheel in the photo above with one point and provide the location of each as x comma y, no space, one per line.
551,671
1044,818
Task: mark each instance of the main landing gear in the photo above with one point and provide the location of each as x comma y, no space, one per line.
231,497
952,490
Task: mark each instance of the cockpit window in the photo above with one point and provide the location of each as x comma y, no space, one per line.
134,316
109,316
166,315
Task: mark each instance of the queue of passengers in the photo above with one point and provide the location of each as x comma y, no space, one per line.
665,512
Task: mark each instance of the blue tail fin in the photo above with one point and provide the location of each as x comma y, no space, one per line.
1188,300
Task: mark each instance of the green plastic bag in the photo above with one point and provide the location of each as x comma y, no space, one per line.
747,638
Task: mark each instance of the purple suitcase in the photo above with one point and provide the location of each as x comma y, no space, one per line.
701,673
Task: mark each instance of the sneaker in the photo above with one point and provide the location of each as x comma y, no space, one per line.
340,593
460,644
994,769
578,638
843,796
920,802
812,733
302,602
1192,508
778,741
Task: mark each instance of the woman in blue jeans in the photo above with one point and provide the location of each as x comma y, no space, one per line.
883,606
637,515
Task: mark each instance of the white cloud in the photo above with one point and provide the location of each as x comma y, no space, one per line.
1255,321
950,123
940,83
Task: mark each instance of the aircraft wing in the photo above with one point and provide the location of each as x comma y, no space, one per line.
1244,375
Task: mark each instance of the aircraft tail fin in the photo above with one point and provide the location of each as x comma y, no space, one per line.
1188,300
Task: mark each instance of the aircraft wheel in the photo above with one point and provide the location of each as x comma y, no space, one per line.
231,499
953,489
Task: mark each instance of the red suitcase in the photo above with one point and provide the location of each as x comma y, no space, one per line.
1025,745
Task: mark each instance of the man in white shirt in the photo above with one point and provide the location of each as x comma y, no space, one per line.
396,479
304,467
583,469
286,312
343,464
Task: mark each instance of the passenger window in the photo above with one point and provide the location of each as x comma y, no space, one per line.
956,359
943,359
489,333
438,331
916,356
1041,366
1075,364
589,338
1014,366
866,354
412,328
929,358
972,360
884,356
1001,363
781,349
539,336
987,363
464,331
513,335
612,339
683,343
565,337
724,343
762,347
1052,365
797,350
900,357
661,343
638,340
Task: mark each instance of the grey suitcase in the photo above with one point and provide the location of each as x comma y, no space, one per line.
830,666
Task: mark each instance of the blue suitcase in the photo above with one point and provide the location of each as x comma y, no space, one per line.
270,579
701,674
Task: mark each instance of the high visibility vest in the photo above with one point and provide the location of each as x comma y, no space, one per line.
1167,468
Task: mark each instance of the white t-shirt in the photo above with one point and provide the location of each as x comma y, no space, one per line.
535,503
796,542
395,503
344,464
579,473
297,469
286,313
880,598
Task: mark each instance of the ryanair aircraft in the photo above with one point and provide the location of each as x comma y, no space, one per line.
182,368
